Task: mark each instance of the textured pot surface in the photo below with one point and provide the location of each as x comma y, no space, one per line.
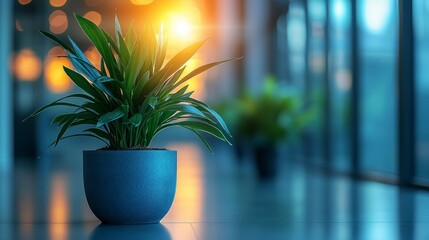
130,186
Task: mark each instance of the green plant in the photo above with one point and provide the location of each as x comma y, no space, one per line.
135,94
268,117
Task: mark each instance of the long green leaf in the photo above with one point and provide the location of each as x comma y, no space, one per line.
64,128
81,82
136,119
97,37
212,113
72,136
202,139
133,68
200,126
58,41
183,56
55,103
110,116
118,30
202,69
98,132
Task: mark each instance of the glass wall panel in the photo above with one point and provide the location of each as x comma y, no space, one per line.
378,39
421,33
316,73
340,81
295,36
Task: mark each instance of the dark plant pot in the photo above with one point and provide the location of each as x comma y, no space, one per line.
266,161
240,151
130,186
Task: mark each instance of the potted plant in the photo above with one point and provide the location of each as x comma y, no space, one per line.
134,95
260,122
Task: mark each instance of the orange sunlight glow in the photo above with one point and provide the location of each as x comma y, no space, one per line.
184,25
197,83
93,3
56,79
26,65
190,192
181,27
141,2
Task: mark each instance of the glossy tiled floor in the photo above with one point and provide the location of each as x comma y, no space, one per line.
217,198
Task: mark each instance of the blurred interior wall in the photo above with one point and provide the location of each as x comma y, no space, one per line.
5,87
230,32
256,59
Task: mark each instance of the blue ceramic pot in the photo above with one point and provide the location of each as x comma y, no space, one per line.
130,186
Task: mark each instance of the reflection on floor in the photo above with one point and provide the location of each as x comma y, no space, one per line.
217,198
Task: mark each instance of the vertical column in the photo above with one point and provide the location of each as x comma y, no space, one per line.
257,45
5,87
5,117
230,17
406,111
355,104
327,103
309,149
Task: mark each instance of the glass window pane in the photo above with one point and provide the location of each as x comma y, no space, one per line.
378,31
316,73
295,35
421,30
340,81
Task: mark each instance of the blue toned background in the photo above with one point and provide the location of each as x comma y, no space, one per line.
358,170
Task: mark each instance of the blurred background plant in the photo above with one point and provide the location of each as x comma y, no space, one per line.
260,122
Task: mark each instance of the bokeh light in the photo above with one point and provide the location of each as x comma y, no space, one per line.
26,65
376,14
57,3
184,25
296,29
339,10
18,26
141,2
24,2
56,79
180,27
93,16
93,56
58,22
343,79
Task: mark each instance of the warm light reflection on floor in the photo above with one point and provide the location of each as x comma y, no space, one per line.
58,207
189,193
26,202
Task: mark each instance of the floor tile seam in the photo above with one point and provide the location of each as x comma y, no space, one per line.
277,222
195,233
